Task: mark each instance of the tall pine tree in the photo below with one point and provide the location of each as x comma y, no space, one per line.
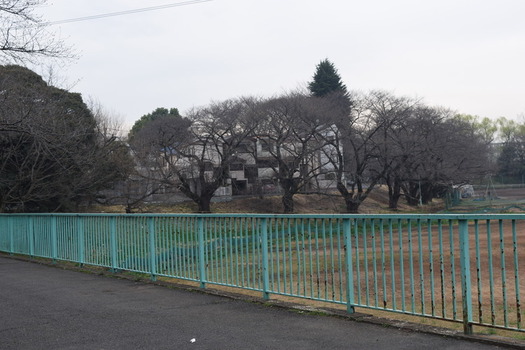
326,80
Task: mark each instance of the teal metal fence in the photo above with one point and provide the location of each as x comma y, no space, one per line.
461,268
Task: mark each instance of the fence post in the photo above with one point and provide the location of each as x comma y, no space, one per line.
31,237
348,264
152,249
202,255
113,243
81,247
10,228
266,272
54,245
466,289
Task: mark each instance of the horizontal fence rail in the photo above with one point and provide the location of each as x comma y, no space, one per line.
462,268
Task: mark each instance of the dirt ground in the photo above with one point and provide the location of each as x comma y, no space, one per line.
376,203
494,200
510,194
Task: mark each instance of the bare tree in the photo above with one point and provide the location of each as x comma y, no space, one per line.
194,153
412,148
290,138
447,151
54,154
356,165
25,36
394,142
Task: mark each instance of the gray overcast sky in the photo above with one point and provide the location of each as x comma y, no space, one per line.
465,55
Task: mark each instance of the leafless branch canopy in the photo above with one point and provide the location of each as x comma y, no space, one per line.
25,36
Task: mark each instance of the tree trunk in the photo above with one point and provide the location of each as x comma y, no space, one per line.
394,193
412,193
426,192
352,205
204,204
287,201
204,201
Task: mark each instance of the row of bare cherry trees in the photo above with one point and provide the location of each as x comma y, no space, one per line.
57,153
413,149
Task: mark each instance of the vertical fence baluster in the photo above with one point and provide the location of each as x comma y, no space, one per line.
152,248
317,260
442,270
11,229
421,268
325,260
392,264
478,272
54,239
465,275
411,265
365,262
357,259
113,243
491,274
31,237
298,256
374,261
81,248
277,229
516,274
348,265
431,268
272,253
243,239
383,261
503,274
310,259
401,264
202,256
266,271
238,243
452,268
290,257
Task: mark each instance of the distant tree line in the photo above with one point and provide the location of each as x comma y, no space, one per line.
510,146
58,154
416,150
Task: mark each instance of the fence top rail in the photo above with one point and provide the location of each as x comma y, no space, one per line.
286,216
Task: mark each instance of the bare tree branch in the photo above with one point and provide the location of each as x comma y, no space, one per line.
25,37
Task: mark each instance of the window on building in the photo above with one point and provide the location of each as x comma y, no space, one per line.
266,145
236,166
267,163
244,148
251,173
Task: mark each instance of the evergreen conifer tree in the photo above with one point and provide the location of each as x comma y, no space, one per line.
326,80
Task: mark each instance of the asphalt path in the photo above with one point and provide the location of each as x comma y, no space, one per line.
43,307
